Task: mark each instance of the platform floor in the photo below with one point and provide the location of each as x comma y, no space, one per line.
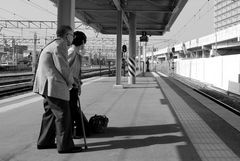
156,119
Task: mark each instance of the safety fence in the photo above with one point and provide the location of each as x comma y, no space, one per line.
222,72
217,71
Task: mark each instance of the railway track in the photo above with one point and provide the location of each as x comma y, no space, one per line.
226,101
11,84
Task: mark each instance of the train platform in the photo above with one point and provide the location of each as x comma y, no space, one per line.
2,75
156,119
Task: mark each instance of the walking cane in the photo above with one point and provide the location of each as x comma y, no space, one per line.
83,127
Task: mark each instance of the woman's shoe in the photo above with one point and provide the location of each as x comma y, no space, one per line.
75,149
52,146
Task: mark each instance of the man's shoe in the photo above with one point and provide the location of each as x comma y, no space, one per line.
75,149
52,146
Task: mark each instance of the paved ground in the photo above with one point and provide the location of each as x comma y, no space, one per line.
153,120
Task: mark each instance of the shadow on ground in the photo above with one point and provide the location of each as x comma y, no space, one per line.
144,136
138,130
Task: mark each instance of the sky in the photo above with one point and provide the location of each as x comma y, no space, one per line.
195,20
27,10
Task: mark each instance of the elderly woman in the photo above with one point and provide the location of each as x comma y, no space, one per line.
75,53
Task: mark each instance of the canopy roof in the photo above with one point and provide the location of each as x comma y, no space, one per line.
153,16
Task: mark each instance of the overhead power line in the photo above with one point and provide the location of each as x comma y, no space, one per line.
191,19
35,5
12,13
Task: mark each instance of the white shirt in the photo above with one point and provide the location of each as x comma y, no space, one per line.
74,60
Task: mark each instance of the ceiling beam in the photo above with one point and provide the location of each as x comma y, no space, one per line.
175,13
95,10
127,9
118,6
85,19
149,29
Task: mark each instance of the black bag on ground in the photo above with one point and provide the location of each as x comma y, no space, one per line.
98,123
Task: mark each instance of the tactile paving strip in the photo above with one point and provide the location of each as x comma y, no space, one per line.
208,145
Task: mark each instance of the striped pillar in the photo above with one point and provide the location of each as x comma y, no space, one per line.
131,70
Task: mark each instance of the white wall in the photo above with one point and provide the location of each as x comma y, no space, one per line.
216,70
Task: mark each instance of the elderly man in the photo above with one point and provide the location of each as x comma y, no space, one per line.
53,80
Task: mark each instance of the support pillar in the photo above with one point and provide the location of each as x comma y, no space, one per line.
144,46
152,62
140,53
203,52
66,13
119,49
132,49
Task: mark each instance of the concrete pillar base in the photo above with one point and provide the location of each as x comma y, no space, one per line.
118,86
131,80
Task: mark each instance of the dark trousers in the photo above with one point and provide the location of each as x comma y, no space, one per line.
76,115
74,105
56,123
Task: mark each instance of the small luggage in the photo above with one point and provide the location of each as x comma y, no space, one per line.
98,123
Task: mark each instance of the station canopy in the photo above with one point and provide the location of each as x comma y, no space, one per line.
155,17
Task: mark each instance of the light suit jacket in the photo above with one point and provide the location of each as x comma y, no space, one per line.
53,77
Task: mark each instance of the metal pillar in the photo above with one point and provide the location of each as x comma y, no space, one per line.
119,50
144,56
132,49
14,52
152,60
66,13
139,57
203,53
34,54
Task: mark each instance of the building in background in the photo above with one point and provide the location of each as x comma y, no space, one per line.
226,13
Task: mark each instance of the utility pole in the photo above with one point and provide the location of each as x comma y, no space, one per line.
13,51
